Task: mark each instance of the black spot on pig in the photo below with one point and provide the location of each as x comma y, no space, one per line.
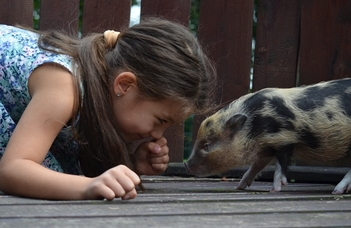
279,106
255,102
329,115
311,100
308,138
315,96
235,124
263,124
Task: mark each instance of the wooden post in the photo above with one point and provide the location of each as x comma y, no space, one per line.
325,52
14,12
175,10
277,44
59,15
225,31
99,16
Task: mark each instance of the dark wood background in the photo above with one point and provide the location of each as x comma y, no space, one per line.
297,42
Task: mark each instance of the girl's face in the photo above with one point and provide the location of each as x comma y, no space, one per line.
138,119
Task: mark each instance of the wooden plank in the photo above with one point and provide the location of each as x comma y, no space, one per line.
317,219
277,43
227,36
174,195
120,208
59,15
14,12
99,16
184,202
325,52
177,11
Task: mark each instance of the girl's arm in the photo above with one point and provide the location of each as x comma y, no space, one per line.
21,172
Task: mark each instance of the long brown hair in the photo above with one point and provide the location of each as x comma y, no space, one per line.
169,64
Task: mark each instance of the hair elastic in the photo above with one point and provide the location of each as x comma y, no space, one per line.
111,37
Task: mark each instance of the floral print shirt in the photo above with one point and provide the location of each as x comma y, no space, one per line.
19,56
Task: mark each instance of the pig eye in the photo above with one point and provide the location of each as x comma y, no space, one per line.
206,146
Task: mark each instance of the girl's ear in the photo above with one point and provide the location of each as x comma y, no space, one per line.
123,82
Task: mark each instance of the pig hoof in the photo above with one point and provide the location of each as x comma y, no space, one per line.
274,190
338,190
344,186
240,187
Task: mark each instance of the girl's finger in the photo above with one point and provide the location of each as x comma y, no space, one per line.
159,167
131,175
161,142
159,160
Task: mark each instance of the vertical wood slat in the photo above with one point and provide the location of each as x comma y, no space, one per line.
14,12
277,44
59,15
325,50
99,16
225,30
177,11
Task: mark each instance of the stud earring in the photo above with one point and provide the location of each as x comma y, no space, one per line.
118,94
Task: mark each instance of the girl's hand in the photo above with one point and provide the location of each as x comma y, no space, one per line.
151,158
116,182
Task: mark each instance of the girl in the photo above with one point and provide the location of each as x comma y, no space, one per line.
73,106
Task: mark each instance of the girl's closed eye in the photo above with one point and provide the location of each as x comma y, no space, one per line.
162,121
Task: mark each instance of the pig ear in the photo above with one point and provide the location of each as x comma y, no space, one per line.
235,124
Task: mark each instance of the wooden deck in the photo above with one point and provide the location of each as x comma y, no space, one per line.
173,201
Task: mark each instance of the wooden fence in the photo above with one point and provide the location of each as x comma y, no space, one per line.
297,41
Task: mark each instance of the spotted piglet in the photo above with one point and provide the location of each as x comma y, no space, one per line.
311,123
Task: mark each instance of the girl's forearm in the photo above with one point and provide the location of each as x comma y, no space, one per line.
29,179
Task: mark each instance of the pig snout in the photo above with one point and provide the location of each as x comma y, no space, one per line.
191,169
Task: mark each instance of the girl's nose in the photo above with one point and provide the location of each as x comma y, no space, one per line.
157,133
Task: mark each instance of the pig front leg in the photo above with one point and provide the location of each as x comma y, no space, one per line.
279,178
253,171
344,185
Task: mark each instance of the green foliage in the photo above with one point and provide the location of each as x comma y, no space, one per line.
36,14
194,16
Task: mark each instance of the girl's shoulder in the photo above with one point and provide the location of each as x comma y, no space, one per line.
12,32
20,55
20,46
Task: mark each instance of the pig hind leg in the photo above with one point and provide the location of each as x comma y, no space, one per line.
344,185
283,156
279,178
